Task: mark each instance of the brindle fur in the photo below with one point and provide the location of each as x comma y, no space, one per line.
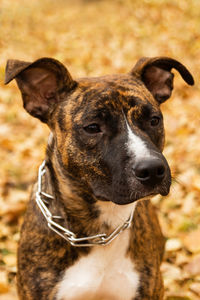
77,164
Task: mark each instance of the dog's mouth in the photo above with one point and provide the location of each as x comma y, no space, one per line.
127,197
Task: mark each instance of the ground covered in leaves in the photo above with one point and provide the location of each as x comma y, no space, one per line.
96,38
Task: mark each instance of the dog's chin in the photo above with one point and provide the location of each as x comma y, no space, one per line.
127,199
124,201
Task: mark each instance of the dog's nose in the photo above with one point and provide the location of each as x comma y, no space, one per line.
150,171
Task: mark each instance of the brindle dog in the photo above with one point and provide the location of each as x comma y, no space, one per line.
104,154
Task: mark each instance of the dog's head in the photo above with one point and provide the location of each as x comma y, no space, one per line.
108,131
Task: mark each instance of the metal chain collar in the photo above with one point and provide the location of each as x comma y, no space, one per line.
99,239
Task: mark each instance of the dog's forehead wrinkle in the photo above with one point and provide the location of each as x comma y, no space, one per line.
109,84
113,78
109,102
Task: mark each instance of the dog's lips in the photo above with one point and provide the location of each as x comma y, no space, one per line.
127,200
102,198
165,191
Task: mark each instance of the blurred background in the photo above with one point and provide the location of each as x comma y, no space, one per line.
95,38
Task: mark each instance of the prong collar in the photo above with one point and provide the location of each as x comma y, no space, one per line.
99,239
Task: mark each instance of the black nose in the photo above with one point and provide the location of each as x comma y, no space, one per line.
150,171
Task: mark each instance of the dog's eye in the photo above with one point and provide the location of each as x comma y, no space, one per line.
92,128
155,121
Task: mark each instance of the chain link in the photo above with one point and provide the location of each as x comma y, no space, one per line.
99,239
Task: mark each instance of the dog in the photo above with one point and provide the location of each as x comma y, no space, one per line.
90,231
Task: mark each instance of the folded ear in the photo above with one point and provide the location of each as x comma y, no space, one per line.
156,75
40,83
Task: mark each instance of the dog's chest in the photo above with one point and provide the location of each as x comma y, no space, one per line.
107,273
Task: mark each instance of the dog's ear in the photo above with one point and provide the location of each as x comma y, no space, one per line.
40,83
157,77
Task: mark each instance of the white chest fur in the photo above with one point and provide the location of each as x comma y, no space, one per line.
107,273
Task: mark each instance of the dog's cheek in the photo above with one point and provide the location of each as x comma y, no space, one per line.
158,138
82,164
111,173
94,173
86,142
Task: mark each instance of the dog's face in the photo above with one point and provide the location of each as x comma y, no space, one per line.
104,130
108,131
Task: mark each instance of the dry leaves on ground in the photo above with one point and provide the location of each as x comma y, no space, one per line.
93,38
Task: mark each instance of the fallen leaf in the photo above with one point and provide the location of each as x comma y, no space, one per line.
196,183
12,213
195,288
10,260
170,273
178,298
192,241
193,268
173,244
4,287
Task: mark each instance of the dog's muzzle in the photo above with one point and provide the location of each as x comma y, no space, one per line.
145,177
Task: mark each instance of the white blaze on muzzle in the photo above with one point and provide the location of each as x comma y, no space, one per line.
135,145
